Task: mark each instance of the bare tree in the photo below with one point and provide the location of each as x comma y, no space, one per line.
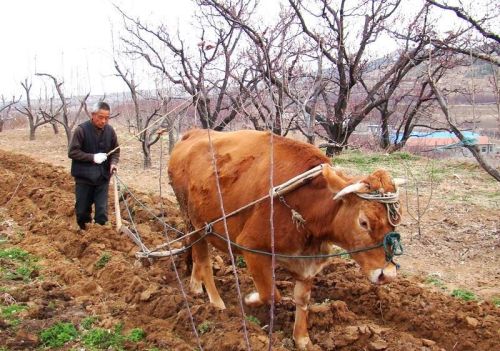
483,43
5,109
61,113
35,119
410,107
494,82
203,71
331,29
142,121
469,145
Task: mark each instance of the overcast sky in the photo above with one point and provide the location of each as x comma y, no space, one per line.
70,38
73,39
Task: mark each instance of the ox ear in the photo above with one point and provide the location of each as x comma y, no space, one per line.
338,182
334,179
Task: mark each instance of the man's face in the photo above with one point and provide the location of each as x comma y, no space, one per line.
100,118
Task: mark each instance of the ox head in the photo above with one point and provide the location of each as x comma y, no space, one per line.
367,213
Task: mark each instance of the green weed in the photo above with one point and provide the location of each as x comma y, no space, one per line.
496,301
345,256
88,322
14,253
432,280
105,339
240,262
103,260
24,272
136,335
22,265
340,253
11,310
400,155
58,335
463,295
9,314
253,319
368,162
204,327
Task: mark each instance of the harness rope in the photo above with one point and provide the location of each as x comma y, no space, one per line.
391,242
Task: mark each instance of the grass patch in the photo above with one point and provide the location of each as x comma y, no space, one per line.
103,260
11,310
14,253
204,327
19,264
368,162
105,339
58,335
253,319
136,335
496,301
463,295
432,280
88,322
9,314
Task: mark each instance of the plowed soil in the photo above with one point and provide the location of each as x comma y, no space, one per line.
347,313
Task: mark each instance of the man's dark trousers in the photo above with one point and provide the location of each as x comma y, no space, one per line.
86,195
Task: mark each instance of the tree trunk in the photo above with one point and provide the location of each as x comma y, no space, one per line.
472,148
333,150
483,163
146,150
171,140
385,141
32,130
1,125
55,128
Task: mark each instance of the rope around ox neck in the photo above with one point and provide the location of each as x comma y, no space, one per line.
391,244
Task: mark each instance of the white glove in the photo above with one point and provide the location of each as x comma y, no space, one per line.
100,158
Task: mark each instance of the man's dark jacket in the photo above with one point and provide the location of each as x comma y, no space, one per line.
87,141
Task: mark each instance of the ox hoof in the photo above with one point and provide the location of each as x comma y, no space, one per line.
219,304
304,343
196,288
253,300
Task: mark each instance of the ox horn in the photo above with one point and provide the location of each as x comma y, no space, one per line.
399,181
353,188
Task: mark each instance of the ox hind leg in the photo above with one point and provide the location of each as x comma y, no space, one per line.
202,273
260,268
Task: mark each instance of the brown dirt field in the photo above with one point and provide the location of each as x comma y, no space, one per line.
347,313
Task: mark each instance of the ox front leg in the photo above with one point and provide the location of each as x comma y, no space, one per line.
202,273
301,295
260,269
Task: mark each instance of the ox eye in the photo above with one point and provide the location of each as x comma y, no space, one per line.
364,224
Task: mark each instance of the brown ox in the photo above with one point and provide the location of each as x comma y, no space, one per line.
243,166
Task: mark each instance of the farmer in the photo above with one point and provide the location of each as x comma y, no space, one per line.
91,166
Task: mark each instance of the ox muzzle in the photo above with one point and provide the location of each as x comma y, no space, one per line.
392,247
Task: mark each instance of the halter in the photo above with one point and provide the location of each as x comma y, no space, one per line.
391,201
392,240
